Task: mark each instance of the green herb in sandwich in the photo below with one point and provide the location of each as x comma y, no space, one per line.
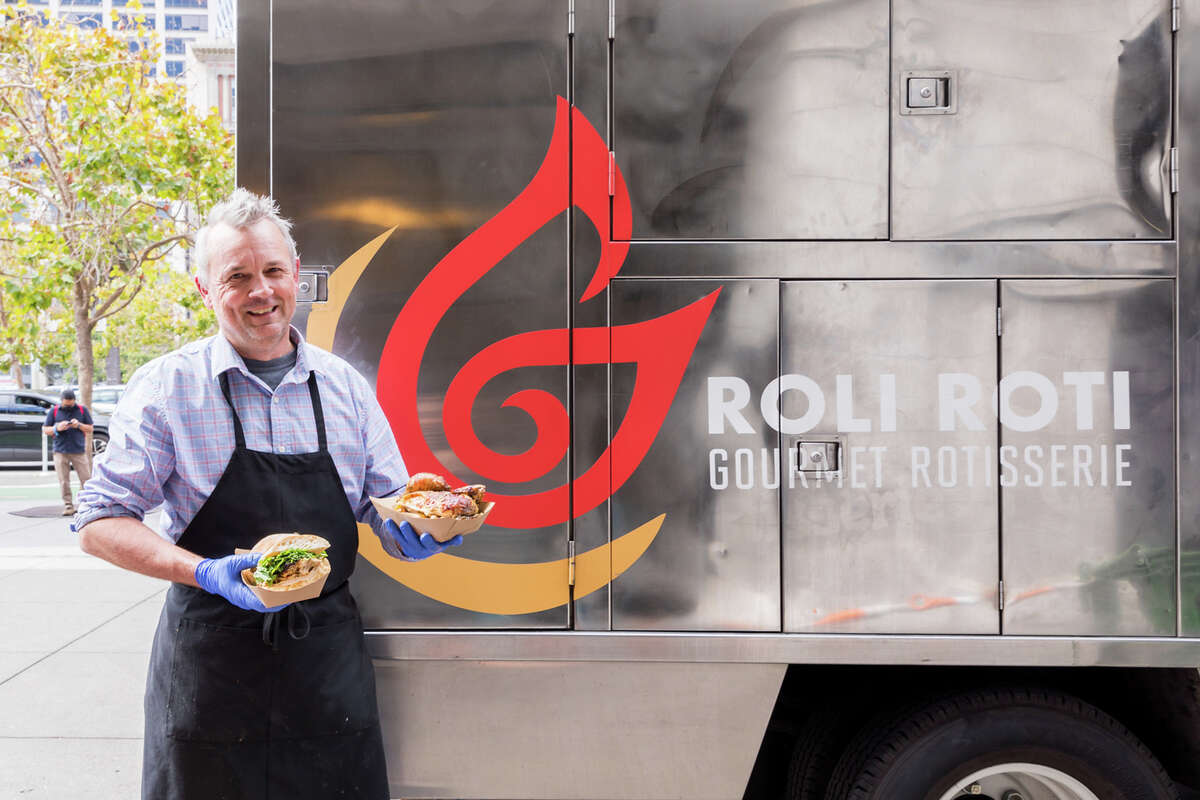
271,568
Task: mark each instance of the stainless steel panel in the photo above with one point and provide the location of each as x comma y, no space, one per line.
757,119
1062,126
715,562
900,259
431,118
905,539
627,730
808,648
589,396
253,98
1188,305
1088,506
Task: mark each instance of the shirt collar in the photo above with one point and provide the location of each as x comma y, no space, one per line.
225,358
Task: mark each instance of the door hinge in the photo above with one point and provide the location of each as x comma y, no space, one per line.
612,173
999,321
1000,595
1175,11
1174,170
570,562
612,19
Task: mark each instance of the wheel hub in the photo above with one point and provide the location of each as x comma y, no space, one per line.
1019,782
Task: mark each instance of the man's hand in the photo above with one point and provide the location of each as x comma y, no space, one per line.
74,423
223,576
414,546
62,426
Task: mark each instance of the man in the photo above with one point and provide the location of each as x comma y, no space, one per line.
70,424
250,432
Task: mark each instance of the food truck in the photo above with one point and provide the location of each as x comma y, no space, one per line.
833,366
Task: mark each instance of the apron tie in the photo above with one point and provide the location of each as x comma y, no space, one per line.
298,624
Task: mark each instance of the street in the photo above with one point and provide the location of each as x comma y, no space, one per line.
74,644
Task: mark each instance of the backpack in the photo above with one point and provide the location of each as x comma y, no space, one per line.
54,410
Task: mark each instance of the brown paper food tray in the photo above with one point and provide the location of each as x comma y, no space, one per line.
272,598
442,529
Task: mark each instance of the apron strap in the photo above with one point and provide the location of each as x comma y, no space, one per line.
239,437
298,624
318,414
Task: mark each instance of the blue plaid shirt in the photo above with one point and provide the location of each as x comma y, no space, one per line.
171,435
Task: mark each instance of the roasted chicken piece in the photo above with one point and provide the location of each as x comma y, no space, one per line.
475,491
427,482
437,504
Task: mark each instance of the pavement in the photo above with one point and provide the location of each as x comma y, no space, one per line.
75,637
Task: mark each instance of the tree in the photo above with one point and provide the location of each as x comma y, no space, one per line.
102,170
149,327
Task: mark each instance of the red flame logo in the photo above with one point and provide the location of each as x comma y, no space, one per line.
661,347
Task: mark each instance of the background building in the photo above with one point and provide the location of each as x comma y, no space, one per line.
210,78
179,23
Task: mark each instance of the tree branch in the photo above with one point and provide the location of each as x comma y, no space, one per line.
103,310
38,190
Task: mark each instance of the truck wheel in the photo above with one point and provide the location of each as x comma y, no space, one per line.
1001,744
814,755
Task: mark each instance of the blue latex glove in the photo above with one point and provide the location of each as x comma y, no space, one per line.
417,547
223,576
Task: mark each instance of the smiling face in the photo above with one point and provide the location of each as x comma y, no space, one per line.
252,284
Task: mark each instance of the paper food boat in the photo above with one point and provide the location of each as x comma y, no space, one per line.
273,597
441,528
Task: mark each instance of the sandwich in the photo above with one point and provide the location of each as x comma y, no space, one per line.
429,496
289,561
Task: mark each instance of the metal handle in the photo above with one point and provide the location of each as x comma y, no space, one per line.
929,92
818,456
313,285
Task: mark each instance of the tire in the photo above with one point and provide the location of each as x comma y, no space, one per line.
926,753
814,755
99,443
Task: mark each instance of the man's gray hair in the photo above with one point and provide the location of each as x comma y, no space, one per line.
240,210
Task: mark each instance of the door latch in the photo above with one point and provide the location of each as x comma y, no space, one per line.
928,92
812,456
313,286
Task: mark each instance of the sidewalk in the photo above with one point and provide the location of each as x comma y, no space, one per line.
75,638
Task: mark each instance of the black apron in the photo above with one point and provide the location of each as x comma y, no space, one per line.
281,705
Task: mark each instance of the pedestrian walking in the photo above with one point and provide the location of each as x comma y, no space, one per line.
70,424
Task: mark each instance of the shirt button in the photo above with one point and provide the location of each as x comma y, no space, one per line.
275,399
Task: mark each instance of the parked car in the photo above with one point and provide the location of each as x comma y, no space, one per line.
104,395
22,413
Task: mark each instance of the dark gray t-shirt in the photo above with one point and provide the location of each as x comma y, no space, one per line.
272,372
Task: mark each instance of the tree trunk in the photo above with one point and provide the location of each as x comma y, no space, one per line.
17,376
85,357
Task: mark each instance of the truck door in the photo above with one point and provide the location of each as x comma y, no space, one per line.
403,127
712,474
1087,463
760,119
1034,119
890,513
